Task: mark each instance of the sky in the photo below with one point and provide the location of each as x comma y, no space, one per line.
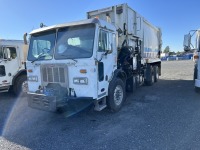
174,17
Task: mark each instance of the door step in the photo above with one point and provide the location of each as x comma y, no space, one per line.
100,104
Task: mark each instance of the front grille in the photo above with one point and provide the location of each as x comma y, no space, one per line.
54,73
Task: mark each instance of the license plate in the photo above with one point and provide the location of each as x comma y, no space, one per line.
49,92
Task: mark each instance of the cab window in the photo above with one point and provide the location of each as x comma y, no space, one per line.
105,41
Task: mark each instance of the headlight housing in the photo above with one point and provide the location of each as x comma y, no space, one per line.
82,81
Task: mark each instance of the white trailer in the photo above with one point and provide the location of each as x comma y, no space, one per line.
12,65
115,50
187,47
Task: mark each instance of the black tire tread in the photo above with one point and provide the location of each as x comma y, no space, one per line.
17,87
110,99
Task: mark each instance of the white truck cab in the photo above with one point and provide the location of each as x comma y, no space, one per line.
196,58
12,65
187,47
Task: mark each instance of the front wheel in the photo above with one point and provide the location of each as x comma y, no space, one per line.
197,89
116,95
19,84
195,73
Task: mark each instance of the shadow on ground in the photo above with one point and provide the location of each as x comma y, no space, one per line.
152,117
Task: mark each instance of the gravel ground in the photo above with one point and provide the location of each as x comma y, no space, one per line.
164,116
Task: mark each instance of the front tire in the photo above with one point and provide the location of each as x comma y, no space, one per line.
195,73
197,89
116,95
17,89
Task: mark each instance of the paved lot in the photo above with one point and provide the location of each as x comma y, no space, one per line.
164,116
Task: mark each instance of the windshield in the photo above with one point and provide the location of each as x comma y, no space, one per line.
75,42
41,46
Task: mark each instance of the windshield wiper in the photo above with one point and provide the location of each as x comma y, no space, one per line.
39,57
70,58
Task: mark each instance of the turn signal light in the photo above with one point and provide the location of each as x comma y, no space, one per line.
196,57
30,70
83,71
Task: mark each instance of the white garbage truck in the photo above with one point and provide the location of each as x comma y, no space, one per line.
13,55
196,49
113,51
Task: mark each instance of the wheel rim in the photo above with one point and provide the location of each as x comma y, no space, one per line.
157,74
153,79
25,87
118,95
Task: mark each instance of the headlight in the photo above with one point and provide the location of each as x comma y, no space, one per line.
80,81
33,78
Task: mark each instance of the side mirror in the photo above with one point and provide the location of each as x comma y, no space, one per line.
110,49
25,38
7,55
187,42
108,52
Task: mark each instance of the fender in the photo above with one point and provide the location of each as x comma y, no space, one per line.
119,73
23,71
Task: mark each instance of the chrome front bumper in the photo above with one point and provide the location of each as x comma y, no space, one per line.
42,102
4,88
51,103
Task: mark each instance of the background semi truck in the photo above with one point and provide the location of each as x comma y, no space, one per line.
196,49
113,51
13,55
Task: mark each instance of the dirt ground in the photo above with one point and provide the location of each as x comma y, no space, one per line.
163,116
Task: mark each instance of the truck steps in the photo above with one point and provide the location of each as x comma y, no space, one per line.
100,104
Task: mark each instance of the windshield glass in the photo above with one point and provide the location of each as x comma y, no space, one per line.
75,42
41,46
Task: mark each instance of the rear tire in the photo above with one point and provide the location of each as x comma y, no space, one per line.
131,84
116,95
17,88
149,79
156,73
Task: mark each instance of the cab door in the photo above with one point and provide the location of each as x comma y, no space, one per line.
10,62
106,56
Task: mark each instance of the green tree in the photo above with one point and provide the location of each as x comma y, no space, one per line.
178,53
166,50
172,53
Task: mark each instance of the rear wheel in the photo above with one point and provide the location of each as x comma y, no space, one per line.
19,84
149,76
116,95
131,84
156,73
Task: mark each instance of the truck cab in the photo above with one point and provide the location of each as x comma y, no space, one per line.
196,57
71,61
12,65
